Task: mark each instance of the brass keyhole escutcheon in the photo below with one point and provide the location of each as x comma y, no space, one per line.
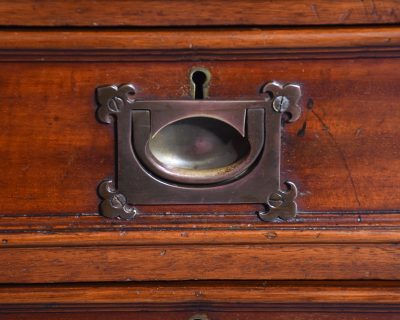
199,83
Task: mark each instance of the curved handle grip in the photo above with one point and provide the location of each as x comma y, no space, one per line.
141,144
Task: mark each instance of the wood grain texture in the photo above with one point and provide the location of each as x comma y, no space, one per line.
54,152
355,38
183,229
200,262
211,311
343,154
185,236
219,292
201,217
184,13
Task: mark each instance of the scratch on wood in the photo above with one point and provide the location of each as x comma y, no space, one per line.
341,153
370,8
302,130
393,13
271,235
374,12
346,15
314,9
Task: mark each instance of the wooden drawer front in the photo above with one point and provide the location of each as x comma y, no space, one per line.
342,154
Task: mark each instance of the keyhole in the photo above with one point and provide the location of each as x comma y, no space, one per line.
199,83
199,78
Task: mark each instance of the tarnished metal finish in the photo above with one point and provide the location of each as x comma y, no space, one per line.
114,204
281,104
285,98
111,100
281,204
197,151
204,150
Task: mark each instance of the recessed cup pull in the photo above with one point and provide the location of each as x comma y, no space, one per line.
198,151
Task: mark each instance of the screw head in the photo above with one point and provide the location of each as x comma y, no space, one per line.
118,201
115,104
275,200
280,104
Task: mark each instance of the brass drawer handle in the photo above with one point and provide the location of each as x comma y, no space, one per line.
198,151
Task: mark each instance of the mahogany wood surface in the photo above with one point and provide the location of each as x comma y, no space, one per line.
339,259
353,38
343,153
200,292
200,262
93,13
201,312
92,231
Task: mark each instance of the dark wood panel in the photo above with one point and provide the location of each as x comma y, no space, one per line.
182,13
54,152
200,262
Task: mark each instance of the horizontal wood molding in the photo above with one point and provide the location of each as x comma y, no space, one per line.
184,13
219,292
213,311
201,39
126,238
180,229
201,262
